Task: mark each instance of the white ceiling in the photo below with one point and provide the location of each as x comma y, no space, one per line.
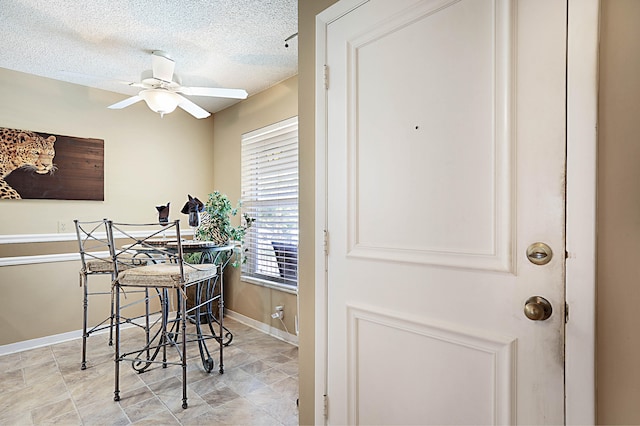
104,43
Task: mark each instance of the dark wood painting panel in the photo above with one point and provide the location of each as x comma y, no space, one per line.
79,172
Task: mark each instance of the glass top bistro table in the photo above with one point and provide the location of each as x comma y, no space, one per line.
201,300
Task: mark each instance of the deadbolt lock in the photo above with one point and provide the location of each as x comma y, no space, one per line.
539,253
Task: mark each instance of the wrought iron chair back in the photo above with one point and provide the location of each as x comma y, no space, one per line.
95,258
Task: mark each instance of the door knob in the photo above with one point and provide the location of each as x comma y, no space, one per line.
537,308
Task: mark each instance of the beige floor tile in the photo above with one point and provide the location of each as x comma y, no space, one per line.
144,409
220,396
271,375
164,418
255,367
27,398
274,403
46,385
10,362
48,412
196,406
290,368
242,412
11,380
67,419
287,387
97,391
16,417
241,382
36,357
106,412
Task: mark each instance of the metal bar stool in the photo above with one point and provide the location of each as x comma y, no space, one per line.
172,273
95,257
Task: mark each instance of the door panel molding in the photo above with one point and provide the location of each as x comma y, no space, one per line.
449,232
463,360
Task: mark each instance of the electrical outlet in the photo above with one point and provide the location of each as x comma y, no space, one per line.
62,226
279,312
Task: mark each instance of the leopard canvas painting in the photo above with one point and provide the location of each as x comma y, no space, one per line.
47,166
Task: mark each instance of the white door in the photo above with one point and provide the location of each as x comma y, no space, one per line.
445,162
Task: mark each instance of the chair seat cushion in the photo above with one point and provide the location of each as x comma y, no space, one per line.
103,266
166,275
99,265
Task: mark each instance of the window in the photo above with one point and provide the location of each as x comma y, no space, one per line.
270,196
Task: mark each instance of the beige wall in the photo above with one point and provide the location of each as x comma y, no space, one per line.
142,153
148,161
31,306
618,297
268,107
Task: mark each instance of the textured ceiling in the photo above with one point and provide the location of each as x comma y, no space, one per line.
104,43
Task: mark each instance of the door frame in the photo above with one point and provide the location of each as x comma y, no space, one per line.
580,282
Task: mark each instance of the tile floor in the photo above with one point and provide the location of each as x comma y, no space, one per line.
46,385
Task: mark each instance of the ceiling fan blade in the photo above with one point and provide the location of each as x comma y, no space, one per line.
215,92
162,66
192,108
97,78
125,103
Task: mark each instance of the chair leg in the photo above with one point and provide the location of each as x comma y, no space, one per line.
183,314
198,315
147,326
164,305
112,313
220,320
116,393
85,306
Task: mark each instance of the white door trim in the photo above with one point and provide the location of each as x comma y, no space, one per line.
582,85
582,114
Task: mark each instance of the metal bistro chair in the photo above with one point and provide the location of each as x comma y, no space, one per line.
95,257
172,272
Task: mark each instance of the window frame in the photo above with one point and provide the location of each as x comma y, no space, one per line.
270,195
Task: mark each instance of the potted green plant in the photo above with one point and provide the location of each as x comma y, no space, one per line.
216,224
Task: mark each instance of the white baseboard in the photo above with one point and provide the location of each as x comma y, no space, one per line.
57,338
77,334
265,328
40,342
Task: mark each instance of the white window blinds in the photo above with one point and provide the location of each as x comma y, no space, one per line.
270,196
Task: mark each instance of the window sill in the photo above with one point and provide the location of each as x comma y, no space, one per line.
291,289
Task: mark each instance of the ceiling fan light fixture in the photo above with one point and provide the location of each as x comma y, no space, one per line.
160,100
162,90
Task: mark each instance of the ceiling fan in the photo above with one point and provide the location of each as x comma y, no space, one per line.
162,88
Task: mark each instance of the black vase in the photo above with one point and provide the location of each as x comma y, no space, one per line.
194,219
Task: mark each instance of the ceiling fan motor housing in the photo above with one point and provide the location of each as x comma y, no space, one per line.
149,81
